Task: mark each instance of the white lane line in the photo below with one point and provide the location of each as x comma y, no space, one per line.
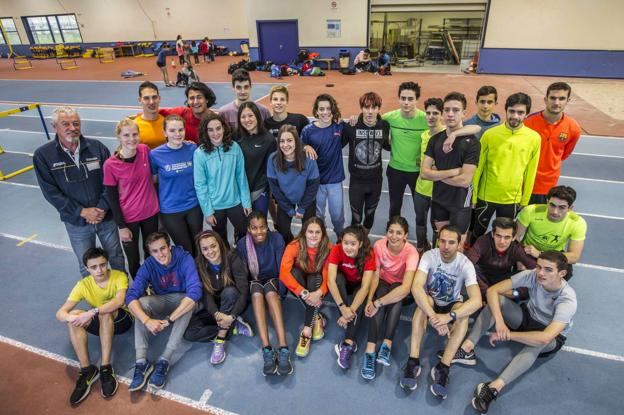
74,105
592,180
597,155
49,117
32,186
201,405
42,133
600,267
19,152
591,353
594,215
37,242
124,82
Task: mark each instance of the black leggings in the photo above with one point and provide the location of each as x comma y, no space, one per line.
390,313
237,218
484,212
345,288
364,198
422,204
283,221
183,226
145,227
311,282
397,180
203,326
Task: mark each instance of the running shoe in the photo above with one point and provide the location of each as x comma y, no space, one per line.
303,347
218,352
368,366
318,330
159,377
440,377
462,357
284,366
242,328
270,365
410,375
483,397
383,357
142,372
108,381
86,378
344,352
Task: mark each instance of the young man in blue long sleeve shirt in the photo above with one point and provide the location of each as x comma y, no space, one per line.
172,275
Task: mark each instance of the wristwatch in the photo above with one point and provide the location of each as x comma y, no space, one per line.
96,311
169,320
304,294
453,316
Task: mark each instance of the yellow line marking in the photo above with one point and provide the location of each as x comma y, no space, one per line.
30,238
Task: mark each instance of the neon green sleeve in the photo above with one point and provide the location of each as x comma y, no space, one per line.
480,166
531,171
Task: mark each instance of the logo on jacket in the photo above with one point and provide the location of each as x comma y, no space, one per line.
563,137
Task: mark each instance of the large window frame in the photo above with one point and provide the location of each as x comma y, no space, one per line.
11,32
53,29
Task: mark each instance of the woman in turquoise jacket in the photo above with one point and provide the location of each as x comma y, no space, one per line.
220,180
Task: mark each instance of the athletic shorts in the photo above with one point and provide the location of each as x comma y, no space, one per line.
267,286
161,65
458,217
122,323
443,309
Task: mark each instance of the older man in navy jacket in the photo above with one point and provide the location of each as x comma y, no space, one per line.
70,175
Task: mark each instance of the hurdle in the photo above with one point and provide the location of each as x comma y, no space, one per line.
67,63
106,55
21,62
7,113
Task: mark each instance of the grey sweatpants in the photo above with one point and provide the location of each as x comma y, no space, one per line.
160,306
512,313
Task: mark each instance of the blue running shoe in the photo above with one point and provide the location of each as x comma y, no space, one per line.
440,377
383,357
368,366
142,372
159,377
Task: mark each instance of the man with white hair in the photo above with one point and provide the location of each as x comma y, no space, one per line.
70,175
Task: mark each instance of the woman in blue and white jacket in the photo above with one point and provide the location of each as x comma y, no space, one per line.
220,180
294,181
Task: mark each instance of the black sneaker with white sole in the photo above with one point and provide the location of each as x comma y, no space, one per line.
108,381
462,357
483,397
409,380
88,375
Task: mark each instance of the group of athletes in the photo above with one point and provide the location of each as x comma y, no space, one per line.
179,169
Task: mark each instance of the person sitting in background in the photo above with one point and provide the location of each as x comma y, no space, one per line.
362,61
104,291
383,62
186,76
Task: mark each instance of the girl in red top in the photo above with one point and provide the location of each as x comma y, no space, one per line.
350,271
397,261
304,272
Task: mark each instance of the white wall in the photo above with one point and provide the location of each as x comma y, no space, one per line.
134,20
312,16
556,24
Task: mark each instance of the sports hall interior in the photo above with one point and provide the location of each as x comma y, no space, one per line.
514,46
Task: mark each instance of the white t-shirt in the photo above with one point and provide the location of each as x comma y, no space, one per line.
547,306
445,280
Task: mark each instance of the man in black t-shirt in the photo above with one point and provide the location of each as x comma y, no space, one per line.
366,139
279,116
451,172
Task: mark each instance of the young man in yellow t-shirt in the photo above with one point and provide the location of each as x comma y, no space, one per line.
150,122
553,227
104,291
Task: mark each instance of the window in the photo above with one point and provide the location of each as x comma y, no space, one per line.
10,32
61,28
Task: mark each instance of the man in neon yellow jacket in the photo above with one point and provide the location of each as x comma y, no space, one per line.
504,178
